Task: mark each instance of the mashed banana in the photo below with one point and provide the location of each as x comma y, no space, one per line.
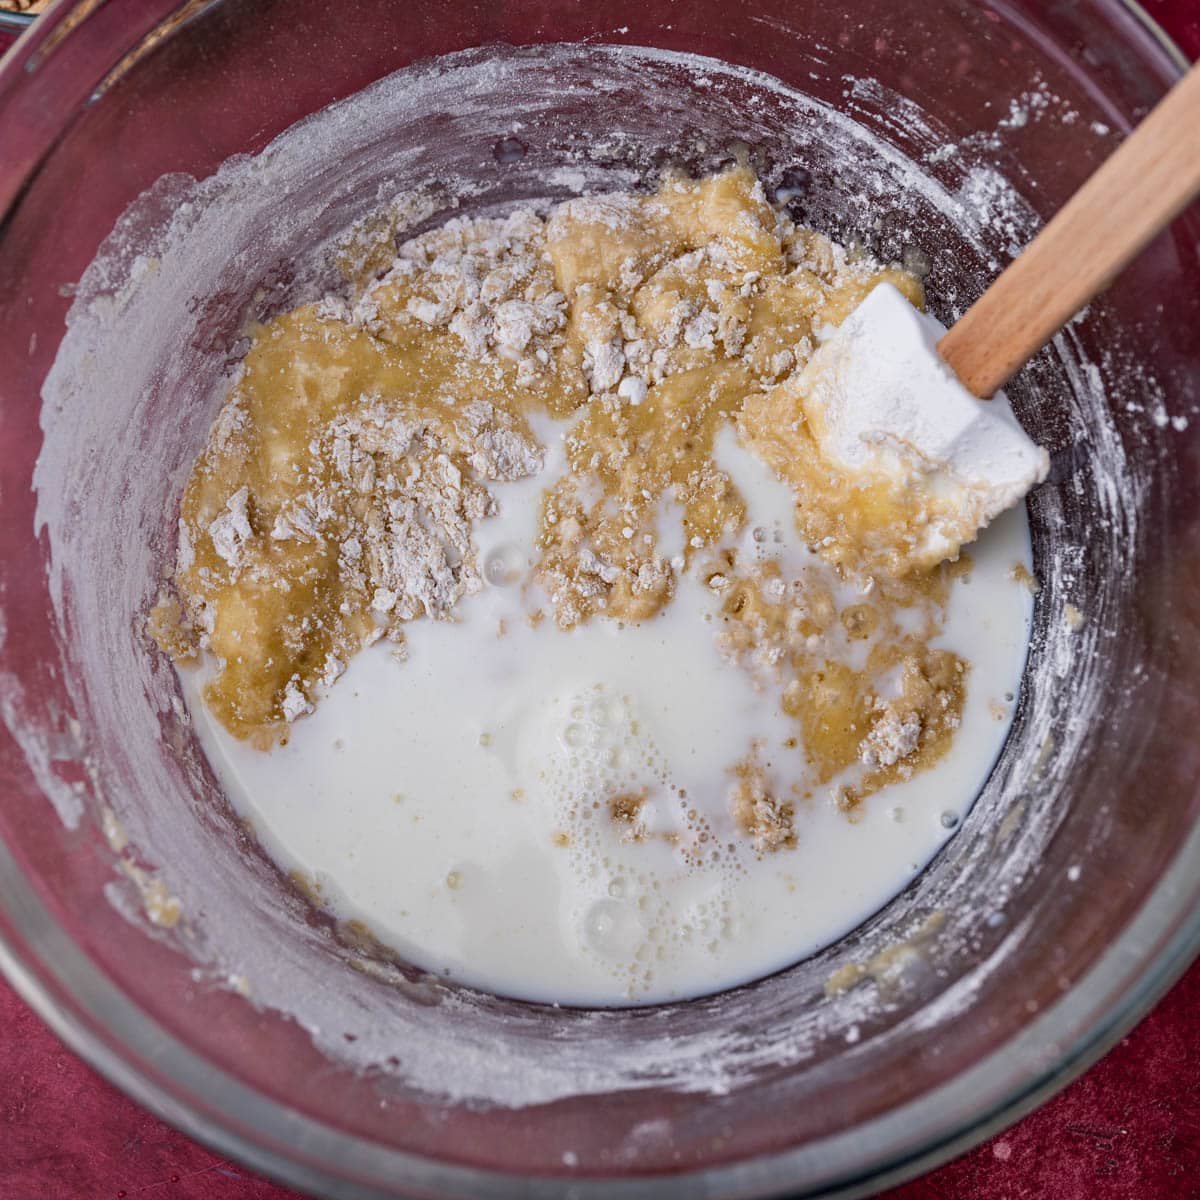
365,437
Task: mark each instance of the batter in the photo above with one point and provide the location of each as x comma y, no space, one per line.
679,700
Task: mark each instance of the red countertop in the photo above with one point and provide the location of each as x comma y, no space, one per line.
1128,1130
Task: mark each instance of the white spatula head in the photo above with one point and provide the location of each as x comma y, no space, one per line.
883,406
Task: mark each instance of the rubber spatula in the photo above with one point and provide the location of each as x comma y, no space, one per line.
893,385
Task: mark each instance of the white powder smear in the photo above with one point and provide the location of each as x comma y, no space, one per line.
135,383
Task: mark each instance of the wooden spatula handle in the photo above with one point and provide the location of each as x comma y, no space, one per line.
1151,178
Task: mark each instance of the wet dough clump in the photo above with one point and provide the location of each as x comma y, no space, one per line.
366,435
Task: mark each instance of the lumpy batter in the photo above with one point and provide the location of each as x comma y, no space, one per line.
678,700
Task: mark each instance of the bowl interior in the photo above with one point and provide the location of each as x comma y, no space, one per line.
915,126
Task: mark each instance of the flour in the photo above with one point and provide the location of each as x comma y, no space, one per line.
351,506
767,818
416,529
892,738
406,540
496,449
480,279
229,532
221,238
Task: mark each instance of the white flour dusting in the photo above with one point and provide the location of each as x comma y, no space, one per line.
134,381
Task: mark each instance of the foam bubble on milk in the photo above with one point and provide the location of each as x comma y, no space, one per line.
650,880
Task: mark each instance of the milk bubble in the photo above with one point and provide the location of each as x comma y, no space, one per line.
612,929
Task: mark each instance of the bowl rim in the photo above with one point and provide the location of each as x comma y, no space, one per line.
16,22
101,1024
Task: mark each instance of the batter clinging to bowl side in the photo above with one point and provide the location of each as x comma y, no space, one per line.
575,437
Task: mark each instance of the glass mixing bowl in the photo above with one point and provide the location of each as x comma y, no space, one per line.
138,917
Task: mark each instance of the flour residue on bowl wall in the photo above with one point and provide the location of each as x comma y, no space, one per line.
144,365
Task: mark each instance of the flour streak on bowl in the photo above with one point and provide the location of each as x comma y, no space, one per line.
151,345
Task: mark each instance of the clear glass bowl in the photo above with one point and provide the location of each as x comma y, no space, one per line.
15,22
1069,899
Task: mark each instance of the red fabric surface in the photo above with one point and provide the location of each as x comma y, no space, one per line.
1181,19
1128,1130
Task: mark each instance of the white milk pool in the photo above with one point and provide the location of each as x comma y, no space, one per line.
457,803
